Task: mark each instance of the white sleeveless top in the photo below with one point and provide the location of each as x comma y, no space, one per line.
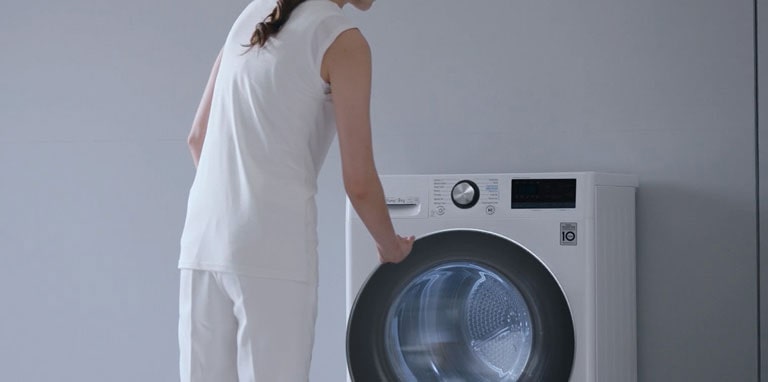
251,207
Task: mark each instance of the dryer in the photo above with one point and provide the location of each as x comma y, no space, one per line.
513,277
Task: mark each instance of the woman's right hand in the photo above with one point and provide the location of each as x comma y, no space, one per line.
346,66
398,254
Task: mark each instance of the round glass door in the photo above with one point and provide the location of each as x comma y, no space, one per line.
465,305
459,322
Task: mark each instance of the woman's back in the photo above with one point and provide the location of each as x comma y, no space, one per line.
251,208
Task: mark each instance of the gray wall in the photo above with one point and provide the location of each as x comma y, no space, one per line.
97,98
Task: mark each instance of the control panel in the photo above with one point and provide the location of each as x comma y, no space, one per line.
458,194
490,195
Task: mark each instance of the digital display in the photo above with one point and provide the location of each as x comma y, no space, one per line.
543,193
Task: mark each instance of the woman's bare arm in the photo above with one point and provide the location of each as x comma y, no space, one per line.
347,67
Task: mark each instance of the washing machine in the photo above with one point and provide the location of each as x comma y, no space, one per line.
513,277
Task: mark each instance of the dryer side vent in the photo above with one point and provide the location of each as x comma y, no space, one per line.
615,288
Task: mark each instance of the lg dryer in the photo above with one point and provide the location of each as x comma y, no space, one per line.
514,277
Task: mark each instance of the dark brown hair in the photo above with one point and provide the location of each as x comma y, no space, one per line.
273,22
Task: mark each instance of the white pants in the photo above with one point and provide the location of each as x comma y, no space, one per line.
236,328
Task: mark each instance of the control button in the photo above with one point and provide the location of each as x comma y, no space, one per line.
440,210
490,210
465,194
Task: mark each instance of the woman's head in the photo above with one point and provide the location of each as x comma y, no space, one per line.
282,11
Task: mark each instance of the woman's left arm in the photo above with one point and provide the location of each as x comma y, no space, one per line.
200,124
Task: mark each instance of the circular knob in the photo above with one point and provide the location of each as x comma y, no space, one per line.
465,194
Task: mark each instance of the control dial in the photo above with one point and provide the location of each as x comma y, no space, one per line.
465,194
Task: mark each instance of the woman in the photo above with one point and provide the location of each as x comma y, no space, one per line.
248,259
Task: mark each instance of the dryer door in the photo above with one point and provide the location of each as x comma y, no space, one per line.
464,306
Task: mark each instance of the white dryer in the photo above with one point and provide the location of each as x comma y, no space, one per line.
514,277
